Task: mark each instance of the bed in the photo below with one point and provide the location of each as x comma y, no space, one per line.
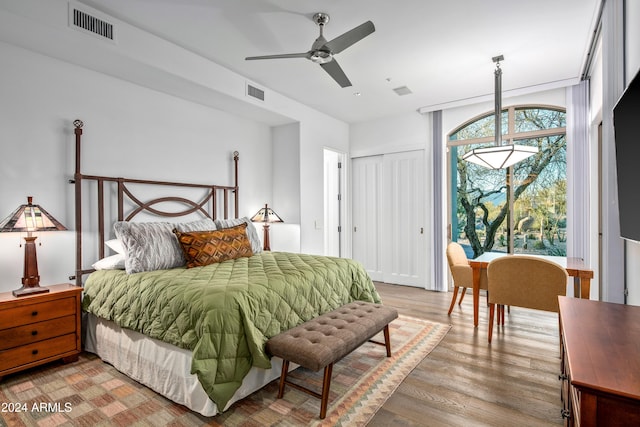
185,305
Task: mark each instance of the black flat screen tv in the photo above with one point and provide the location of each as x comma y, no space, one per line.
626,123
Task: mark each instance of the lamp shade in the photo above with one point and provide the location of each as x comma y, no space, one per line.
499,156
266,214
30,217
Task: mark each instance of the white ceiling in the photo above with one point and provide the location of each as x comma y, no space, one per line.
440,50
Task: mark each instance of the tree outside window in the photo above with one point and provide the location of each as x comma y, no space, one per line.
535,222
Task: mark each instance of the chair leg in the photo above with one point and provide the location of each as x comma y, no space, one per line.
464,291
491,314
453,300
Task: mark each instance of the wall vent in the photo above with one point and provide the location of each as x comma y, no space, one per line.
254,92
88,22
402,90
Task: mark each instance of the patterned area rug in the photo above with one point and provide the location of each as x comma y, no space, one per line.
92,393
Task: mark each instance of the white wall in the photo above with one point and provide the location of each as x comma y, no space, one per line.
390,134
129,131
152,110
595,104
632,59
315,136
620,61
286,188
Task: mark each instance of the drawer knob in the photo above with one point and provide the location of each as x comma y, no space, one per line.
34,352
34,313
34,333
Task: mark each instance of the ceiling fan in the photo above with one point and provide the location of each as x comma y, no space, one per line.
322,51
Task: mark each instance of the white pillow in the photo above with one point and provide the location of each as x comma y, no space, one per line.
115,245
113,262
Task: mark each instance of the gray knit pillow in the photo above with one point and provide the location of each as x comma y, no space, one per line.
153,246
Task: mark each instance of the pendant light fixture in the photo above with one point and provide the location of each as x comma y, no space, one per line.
499,156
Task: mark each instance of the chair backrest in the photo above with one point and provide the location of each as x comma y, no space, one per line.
459,265
456,254
526,281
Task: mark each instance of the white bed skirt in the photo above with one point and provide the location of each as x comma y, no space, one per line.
162,367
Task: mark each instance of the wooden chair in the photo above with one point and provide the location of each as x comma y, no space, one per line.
461,272
524,281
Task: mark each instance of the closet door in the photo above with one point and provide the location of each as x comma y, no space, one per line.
366,174
388,214
403,218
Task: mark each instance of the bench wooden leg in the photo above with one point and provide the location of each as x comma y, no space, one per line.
283,378
326,384
387,340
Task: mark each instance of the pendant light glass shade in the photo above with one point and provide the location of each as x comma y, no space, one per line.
499,156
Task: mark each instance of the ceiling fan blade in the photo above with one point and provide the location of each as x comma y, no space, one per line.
284,55
336,72
352,36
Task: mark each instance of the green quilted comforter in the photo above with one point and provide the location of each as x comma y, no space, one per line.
224,313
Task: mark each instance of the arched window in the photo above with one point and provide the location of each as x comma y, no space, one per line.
521,209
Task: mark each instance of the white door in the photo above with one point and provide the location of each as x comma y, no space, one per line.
333,183
366,197
403,216
388,214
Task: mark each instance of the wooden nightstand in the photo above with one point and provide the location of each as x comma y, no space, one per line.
40,328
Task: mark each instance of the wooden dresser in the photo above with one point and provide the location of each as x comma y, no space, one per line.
600,363
40,328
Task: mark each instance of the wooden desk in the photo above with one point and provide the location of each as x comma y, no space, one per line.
575,268
600,363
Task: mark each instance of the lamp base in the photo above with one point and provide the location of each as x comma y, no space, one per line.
267,245
25,291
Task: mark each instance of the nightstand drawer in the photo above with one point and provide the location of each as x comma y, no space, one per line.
39,331
27,314
37,351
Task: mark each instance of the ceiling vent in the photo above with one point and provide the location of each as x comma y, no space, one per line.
88,22
402,90
255,92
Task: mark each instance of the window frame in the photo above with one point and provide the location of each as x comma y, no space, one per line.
507,138
511,134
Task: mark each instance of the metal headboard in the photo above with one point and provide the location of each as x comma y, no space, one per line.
206,206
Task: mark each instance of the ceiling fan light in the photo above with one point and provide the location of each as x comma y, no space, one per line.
321,56
500,156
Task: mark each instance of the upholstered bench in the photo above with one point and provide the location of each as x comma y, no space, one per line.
326,339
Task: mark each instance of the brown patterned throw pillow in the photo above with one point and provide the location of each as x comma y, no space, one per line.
207,247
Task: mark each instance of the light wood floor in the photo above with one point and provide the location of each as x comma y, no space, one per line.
467,382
